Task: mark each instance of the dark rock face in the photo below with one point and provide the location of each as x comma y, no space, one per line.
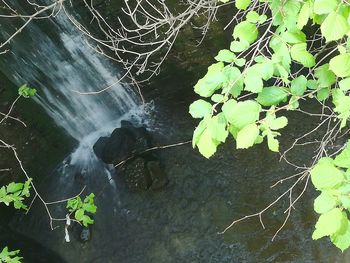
124,142
143,171
99,146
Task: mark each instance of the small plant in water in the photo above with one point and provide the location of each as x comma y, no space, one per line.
7,256
80,208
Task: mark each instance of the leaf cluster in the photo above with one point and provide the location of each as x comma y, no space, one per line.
15,193
7,256
332,178
82,209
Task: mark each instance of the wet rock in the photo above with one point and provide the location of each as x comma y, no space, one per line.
136,176
158,177
124,142
85,235
99,145
119,146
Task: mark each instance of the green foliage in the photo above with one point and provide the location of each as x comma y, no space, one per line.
81,208
26,91
263,74
332,178
15,193
7,256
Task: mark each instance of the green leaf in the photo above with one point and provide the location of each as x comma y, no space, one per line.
200,109
86,220
342,240
212,81
325,6
304,15
330,223
253,17
217,127
79,214
301,55
325,77
206,145
340,65
239,46
332,32
344,84
217,98
225,55
325,175
198,132
91,208
272,142
324,202
242,113
298,86
246,31
271,96
247,136
242,4
323,94
14,187
26,91
240,62
252,80
343,159
278,123
234,81
294,36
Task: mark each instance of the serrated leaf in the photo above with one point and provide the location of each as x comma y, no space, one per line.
300,54
239,46
198,132
272,142
225,55
79,214
332,32
217,127
325,175
298,86
325,77
344,84
242,113
242,4
271,96
206,145
343,159
304,15
278,123
342,240
245,31
325,6
340,65
247,136
324,202
200,109
329,223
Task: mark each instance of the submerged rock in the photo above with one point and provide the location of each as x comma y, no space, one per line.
85,235
159,179
143,171
136,176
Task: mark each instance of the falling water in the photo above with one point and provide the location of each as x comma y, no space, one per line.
59,68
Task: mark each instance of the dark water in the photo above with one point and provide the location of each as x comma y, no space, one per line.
180,224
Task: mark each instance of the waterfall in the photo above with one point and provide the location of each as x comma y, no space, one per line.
53,57
56,59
